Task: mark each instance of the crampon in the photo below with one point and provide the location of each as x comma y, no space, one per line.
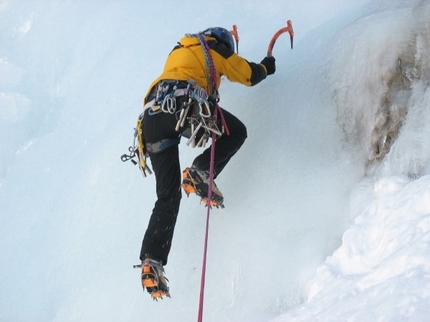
153,279
196,181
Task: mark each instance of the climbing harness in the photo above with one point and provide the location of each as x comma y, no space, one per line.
192,107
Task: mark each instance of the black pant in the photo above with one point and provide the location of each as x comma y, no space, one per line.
159,234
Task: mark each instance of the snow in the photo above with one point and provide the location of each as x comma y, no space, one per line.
327,204
380,273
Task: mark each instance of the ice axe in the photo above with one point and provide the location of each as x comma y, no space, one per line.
289,29
236,37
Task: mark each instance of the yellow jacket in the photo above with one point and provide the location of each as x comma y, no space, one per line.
187,61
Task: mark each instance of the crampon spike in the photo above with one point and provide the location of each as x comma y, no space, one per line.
212,203
159,295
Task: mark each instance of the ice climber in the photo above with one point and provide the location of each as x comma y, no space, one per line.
182,102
